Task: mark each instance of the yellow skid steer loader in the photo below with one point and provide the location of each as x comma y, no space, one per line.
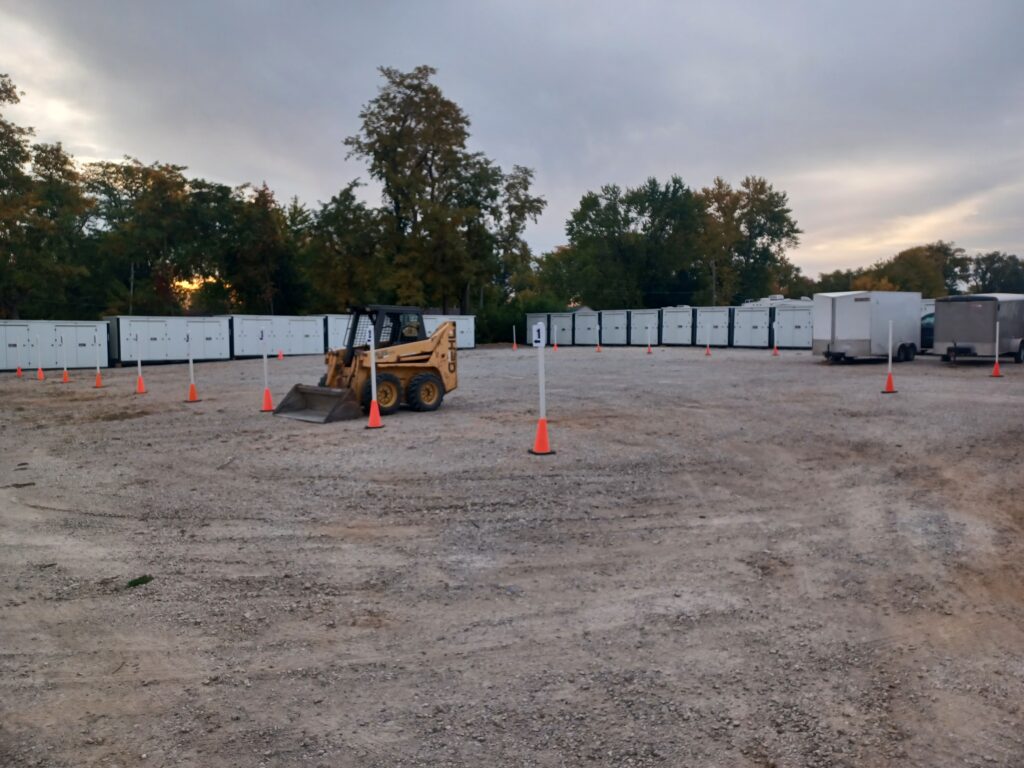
412,368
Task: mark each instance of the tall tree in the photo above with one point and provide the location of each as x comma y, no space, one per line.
15,204
997,272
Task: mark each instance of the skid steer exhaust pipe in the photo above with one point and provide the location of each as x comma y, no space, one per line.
319,405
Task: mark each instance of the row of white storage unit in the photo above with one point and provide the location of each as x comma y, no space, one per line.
52,344
785,324
126,339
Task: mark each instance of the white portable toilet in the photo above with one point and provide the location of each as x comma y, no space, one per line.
337,330
793,325
644,327
532,318
677,325
751,326
614,326
560,328
713,326
585,327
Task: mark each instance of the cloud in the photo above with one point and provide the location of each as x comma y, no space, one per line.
888,123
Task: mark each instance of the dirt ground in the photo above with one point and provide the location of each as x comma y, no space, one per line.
741,561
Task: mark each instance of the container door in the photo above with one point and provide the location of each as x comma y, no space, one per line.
465,331
15,351
641,323
614,327
305,336
560,329
585,328
676,326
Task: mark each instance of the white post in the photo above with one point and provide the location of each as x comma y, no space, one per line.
19,356
540,342
648,336
266,378
373,365
64,352
96,345
138,355
556,334
191,370
890,346
514,335
997,340
39,354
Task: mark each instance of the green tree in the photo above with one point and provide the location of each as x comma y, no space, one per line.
997,272
15,205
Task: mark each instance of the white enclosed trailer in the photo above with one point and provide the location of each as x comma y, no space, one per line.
53,344
164,339
560,328
751,326
614,326
337,330
965,326
644,325
850,324
793,325
677,325
465,328
586,327
713,326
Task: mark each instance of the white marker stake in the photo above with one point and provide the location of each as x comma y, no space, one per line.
997,339
890,346
648,337
373,364
514,345
96,344
541,446
266,377
138,356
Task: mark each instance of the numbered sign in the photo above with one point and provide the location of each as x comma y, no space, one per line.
539,337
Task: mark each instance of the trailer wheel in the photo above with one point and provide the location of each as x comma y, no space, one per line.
425,393
901,354
1019,357
911,353
389,394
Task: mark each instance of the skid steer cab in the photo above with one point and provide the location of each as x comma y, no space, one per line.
413,369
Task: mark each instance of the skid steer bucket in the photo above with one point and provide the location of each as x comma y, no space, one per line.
319,405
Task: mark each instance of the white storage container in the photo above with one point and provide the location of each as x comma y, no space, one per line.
677,325
793,327
560,328
643,327
750,326
614,326
585,324
850,324
713,326
465,328
164,339
337,331
49,344
15,345
290,334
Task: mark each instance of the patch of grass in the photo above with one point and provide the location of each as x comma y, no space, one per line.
138,581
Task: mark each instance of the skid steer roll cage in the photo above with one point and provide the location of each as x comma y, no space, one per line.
391,325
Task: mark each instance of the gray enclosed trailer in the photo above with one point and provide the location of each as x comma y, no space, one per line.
965,326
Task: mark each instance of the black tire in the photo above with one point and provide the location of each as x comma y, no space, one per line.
944,358
323,381
426,392
389,394
911,353
1019,355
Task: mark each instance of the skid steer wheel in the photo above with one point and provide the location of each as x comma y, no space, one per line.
389,394
425,392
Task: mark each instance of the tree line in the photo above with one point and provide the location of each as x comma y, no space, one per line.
81,241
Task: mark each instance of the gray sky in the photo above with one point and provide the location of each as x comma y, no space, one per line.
888,123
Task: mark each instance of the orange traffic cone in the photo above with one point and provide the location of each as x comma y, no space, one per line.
39,374
649,352
996,373
599,346
775,350
707,350
140,385
193,396
555,347
268,402
99,380
515,346
889,388
541,446
18,373
280,354
65,379
374,421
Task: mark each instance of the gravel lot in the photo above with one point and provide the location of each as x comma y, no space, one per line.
735,561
